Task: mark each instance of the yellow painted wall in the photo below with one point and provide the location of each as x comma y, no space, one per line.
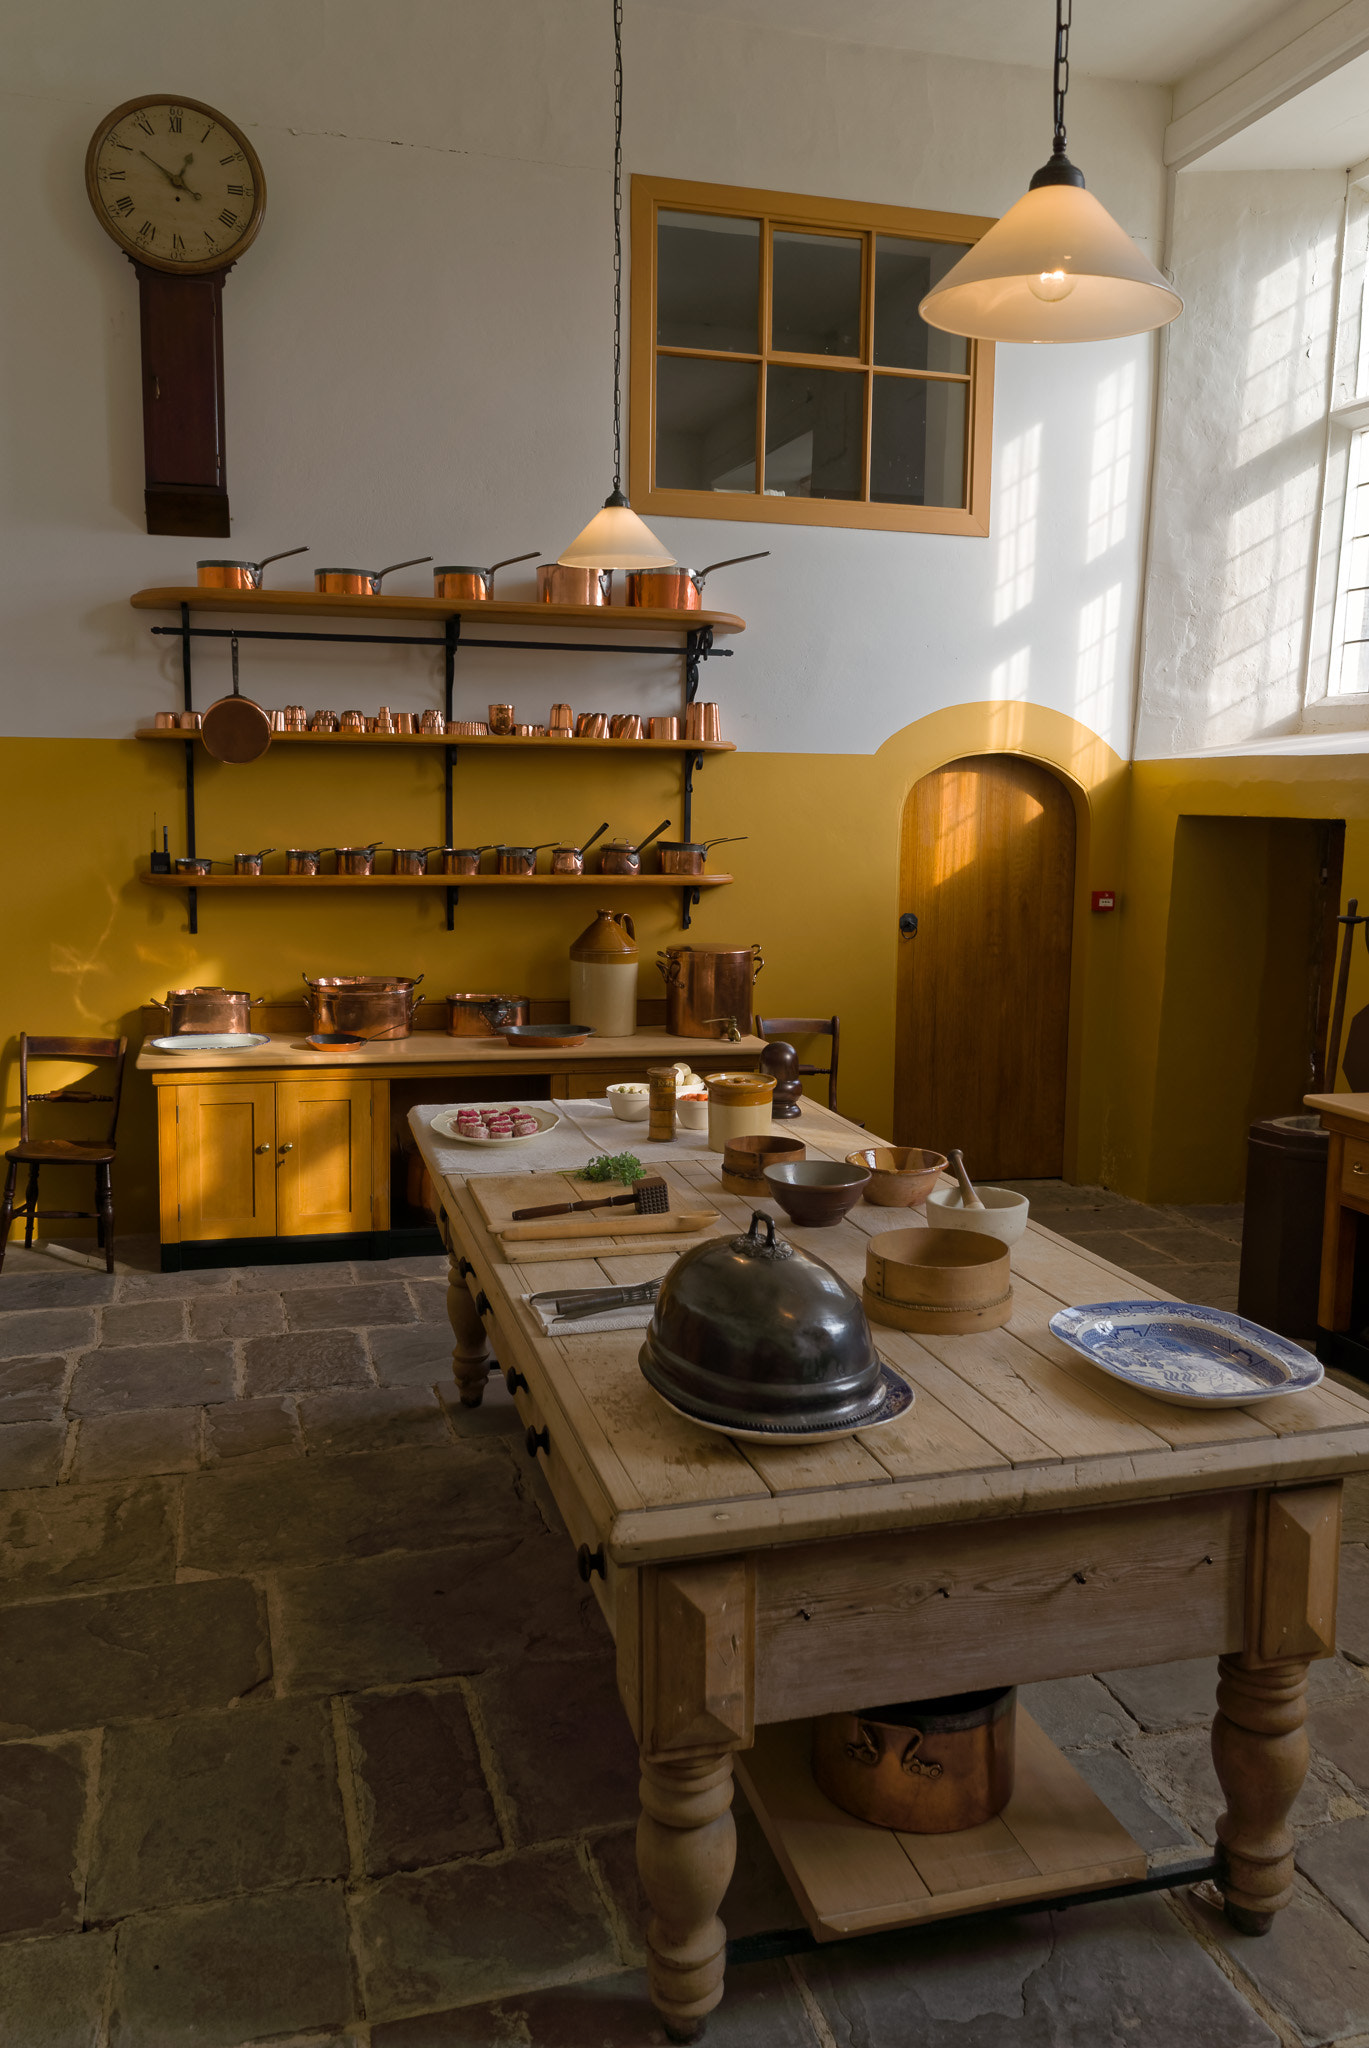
86,944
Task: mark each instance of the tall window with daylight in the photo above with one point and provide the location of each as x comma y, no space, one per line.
780,370
1338,667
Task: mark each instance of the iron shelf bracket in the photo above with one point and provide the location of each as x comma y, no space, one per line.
192,899
698,647
451,641
688,897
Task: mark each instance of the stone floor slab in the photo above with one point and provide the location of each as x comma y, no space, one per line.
1178,1766
1339,1729
1075,1712
232,1972
439,1614
264,1428
471,1931
412,1354
1162,1696
58,1287
31,1389
372,1419
121,1656
1311,1966
24,1333
237,1315
429,1298
42,1805
146,1440
31,1453
52,1993
349,1308
1140,1809
83,1537
570,1711
143,1322
196,1280
335,1508
1337,1861
422,1795
1121,1972
304,1361
213,1804
151,1376
762,2008
420,1266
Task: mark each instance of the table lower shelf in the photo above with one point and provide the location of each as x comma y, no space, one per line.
849,1877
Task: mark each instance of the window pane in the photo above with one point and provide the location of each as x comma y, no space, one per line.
814,432
705,425
815,294
1356,615
1354,669
905,272
917,448
708,281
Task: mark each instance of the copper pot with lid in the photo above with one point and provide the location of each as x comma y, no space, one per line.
570,860
360,582
678,589
481,1016
621,857
372,1005
239,575
463,584
705,985
207,1008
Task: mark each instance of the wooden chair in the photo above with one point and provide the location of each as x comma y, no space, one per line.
808,1027
39,1152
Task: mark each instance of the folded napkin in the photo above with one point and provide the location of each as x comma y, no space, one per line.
586,1326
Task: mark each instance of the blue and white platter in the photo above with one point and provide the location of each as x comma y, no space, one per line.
1180,1351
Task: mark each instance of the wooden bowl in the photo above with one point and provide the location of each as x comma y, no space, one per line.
745,1160
946,1282
901,1176
816,1192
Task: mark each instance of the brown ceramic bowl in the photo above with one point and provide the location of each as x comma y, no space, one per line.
816,1191
901,1176
745,1160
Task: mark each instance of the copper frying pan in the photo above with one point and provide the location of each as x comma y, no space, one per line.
236,729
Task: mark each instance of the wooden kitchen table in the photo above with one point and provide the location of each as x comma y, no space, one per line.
1029,1518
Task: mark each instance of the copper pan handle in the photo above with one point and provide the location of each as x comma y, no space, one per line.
378,575
509,561
283,556
759,959
730,563
642,844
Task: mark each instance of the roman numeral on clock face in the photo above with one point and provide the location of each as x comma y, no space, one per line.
123,206
173,123
230,220
140,120
236,158
177,246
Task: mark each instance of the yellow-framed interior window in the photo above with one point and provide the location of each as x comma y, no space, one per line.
780,371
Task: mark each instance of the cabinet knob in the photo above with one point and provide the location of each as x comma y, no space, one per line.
263,1148
287,1148
589,1561
537,1440
514,1380
463,1267
482,1303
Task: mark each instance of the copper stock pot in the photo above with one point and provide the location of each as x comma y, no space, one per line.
372,1005
206,1008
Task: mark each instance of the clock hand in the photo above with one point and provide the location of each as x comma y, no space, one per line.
176,178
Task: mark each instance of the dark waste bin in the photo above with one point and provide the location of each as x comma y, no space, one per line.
1285,1192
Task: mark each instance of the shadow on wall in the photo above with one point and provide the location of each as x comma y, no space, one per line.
1248,963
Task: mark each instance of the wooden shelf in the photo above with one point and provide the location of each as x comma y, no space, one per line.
601,882
616,618
429,739
849,1877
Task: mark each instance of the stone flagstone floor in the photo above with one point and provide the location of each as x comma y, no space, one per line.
308,1732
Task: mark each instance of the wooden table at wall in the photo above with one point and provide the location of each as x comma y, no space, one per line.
1339,1342
1028,1519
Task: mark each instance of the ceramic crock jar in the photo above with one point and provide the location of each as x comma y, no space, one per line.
739,1106
603,975
750,1332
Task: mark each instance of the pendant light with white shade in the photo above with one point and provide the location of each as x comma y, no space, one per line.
616,538
1056,267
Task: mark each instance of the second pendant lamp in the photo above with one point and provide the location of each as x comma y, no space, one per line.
1056,267
616,538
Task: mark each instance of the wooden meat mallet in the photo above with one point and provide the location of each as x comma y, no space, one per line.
968,1198
647,1198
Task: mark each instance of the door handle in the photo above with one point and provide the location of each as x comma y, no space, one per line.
907,925
263,1148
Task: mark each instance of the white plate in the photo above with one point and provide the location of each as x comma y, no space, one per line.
1180,1351
898,1399
210,1041
547,1120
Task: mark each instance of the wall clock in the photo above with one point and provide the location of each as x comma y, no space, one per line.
179,188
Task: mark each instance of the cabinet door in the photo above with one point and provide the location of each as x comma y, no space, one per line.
225,1150
323,1157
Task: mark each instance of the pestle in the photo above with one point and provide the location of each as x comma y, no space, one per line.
968,1198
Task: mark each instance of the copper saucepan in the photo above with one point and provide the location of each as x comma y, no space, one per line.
250,863
621,857
557,584
687,856
239,575
459,860
357,860
360,582
305,860
236,729
196,864
459,581
521,860
570,860
411,860
678,589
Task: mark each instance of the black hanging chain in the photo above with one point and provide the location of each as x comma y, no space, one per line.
1063,14
617,245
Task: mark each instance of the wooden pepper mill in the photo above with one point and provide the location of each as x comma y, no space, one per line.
782,1061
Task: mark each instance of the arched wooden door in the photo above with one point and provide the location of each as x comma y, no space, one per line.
984,983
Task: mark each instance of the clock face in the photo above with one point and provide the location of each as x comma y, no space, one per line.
175,184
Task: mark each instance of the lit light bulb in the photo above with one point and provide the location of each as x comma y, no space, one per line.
1051,285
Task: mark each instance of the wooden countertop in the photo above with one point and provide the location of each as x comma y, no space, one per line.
439,1049
1354,1108
1006,1422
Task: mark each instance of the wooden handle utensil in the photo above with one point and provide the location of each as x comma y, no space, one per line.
969,1199
608,1226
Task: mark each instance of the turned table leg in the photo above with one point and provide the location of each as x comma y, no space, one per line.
686,1846
471,1359
1259,1746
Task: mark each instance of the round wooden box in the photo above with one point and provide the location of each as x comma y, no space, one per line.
746,1158
944,1281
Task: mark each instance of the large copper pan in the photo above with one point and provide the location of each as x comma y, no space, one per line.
372,1005
207,1009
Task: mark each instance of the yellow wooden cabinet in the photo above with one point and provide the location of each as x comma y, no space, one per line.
299,1158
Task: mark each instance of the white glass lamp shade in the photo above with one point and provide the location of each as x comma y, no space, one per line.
616,539
1056,268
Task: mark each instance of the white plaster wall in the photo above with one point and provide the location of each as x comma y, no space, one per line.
1239,458
418,350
